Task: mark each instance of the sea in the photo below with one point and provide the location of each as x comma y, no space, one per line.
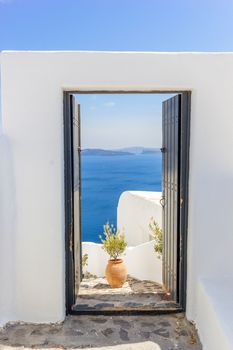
104,178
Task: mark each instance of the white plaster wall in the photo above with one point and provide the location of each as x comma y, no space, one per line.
7,232
141,261
214,313
134,212
97,258
32,230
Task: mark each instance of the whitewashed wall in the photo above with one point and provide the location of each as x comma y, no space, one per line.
134,212
32,273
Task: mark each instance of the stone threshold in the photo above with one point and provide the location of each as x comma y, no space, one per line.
162,332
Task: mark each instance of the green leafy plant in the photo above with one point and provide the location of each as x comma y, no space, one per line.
157,235
113,242
85,260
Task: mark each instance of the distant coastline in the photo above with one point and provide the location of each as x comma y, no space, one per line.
103,152
119,152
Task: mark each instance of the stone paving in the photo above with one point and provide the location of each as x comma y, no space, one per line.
96,294
162,332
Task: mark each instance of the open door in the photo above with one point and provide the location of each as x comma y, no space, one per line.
170,192
75,114
175,163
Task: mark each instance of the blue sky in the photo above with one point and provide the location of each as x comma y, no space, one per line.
118,25
131,25
112,121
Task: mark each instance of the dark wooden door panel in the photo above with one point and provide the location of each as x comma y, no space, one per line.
170,183
75,110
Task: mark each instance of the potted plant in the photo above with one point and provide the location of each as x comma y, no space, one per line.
114,244
84,264
157,235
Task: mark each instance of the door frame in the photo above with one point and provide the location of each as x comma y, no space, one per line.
182,227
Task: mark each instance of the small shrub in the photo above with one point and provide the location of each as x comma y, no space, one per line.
85,260
113,242
157,234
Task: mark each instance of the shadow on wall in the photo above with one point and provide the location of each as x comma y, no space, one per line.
7,232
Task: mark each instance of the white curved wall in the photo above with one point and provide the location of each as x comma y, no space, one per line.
97,258
143,263
134,212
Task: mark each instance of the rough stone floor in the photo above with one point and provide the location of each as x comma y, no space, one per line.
96,294
161,332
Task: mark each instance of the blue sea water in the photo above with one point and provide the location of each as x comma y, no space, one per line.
104,178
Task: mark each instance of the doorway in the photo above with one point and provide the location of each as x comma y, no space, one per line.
174,203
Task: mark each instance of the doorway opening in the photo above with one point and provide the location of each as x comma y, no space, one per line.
126,191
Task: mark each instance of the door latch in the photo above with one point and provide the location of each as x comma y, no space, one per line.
162,201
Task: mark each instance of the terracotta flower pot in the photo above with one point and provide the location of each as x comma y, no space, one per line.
116,273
